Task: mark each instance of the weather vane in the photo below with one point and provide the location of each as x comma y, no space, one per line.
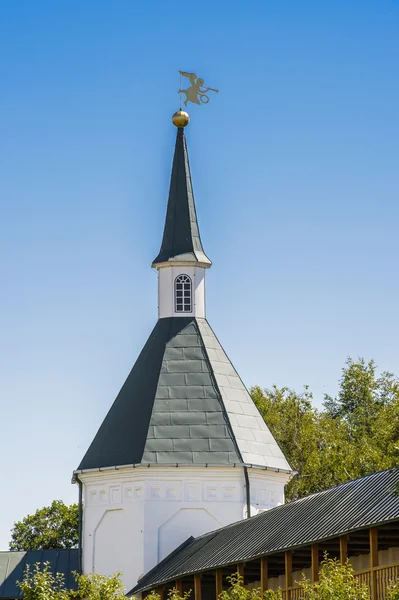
195,93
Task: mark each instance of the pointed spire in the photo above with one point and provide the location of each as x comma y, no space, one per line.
181,239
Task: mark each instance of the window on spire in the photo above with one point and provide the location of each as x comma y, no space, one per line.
183,294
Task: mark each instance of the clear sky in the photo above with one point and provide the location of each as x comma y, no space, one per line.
295,172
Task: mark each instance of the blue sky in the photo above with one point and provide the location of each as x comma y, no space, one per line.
295,171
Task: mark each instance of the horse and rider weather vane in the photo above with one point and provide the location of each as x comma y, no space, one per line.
195,93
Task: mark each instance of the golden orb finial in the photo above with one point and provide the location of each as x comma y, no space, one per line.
180,119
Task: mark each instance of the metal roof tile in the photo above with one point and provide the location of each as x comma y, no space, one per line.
173,393
188,418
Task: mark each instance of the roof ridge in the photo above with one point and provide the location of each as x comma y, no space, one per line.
240,378
215,383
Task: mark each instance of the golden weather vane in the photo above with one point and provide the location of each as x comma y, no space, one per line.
195,93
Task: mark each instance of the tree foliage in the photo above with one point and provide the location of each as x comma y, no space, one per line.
39,583
237,591
393,591
173,594
355,434
336,582
98,587
53,527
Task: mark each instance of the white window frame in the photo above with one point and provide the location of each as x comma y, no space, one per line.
183,300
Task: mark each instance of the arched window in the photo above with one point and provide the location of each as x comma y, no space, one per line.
183,294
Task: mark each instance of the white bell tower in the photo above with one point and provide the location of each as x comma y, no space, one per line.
183,450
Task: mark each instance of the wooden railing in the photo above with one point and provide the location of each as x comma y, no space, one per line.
296,593
364,578
383,577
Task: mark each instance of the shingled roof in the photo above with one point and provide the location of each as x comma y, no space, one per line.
366,502
183,403
181,238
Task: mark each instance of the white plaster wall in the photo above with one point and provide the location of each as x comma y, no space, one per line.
166,300
133,517
174,532
112,550
266,489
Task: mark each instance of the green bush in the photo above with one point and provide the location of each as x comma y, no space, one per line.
336,582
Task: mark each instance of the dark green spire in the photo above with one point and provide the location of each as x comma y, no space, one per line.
181,239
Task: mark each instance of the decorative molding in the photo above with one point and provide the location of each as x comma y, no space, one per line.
229,493
211,493
192,492
155,493
92,496
171,493
128,493
115,494
138,492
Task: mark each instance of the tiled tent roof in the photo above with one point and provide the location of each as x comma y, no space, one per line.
183,403
361,503
13,564
181,238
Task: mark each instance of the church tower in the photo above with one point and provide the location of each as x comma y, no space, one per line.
183,449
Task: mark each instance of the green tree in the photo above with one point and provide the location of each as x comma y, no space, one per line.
369,404
53,527
316,446
355,434
336,582
362,394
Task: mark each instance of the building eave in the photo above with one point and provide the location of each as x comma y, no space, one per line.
179,465
203,262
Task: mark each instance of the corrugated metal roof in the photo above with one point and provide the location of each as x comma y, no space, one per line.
13,564
183,403
351,506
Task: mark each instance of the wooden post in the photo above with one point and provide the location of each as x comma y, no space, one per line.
264,574
373,533
178,586
315,562
343,549
160,591
288,574
197,586
219,583
240,571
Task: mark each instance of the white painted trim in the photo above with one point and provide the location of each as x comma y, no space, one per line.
120,468
182,263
